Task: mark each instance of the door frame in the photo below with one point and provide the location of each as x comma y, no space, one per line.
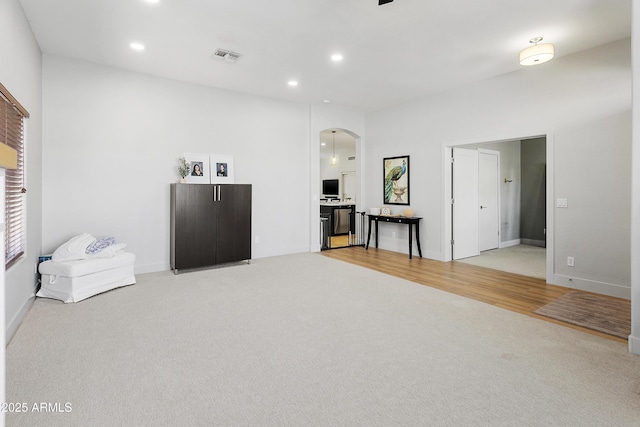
315,178
445,225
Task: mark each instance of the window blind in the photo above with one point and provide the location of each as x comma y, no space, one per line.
12,116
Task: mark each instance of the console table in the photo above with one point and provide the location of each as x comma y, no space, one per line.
397,220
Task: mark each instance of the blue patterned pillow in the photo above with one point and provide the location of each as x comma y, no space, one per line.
100,244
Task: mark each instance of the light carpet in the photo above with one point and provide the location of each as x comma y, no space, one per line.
305,340
526,260
600,313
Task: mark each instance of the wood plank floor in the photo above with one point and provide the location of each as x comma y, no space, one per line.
510,291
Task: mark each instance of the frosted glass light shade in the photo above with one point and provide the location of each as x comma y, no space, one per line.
536,54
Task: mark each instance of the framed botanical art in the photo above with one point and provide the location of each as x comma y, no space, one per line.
395,173
198,168
221,169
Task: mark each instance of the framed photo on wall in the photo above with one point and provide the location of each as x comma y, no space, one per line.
199,168
221,169
395,173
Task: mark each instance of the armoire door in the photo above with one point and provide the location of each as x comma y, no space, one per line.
195,226
234,222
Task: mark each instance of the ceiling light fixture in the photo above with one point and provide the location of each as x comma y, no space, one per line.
136,46
337,57
293,83
536,54
334,159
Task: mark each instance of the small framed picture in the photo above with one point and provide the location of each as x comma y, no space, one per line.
198,169
221,169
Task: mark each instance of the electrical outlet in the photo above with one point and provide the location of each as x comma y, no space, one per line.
257,239
571,262
393,234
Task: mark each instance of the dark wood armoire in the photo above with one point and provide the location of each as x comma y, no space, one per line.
210,224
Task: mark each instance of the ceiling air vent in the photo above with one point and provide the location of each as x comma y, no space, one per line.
226,55
351,158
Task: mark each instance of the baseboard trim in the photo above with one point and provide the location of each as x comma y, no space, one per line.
531,242
592,286
509,243
634,345
15,323
150,268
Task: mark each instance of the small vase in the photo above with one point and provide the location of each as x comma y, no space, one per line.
183,180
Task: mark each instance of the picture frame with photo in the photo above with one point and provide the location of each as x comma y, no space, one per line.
222,171
199,171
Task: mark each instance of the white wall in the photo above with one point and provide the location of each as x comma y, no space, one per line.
112,140
556,99
593,172
20,73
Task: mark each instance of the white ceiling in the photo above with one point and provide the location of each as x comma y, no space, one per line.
392,53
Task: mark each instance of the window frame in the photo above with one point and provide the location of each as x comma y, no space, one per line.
12,134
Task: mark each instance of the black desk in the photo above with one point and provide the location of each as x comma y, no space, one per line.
397,220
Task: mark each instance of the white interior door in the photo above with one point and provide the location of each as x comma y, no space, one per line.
348,186
465,203
488,195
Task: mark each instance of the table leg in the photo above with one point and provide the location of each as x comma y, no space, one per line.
376,234
369,235
418,238
410,241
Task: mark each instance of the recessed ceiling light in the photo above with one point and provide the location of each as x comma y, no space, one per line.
293,83
337,57
152,1
323,144
136,46
326,101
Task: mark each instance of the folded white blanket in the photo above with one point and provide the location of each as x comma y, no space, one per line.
74,248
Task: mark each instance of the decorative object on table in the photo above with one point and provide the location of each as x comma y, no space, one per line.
374,211
385,211
184,168
222,169
408,213
396,180
198,168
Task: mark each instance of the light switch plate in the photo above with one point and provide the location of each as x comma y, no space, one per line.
561,203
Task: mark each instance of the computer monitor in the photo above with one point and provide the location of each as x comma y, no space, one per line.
331,187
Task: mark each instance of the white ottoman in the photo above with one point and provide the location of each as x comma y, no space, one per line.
73,281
